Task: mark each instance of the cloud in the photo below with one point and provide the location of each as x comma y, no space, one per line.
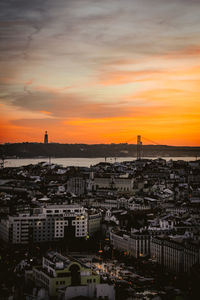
21,21
79,27
36,123
191,51
98,59
124,77
68,105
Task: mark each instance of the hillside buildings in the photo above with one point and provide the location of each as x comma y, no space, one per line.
146,211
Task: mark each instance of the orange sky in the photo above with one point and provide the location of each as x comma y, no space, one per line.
106,79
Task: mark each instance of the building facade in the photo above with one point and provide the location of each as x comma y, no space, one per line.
91,291
175,255
76,185
58,272
120,184
94,223
50,223
135,244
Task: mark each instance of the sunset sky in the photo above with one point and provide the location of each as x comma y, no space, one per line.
100,71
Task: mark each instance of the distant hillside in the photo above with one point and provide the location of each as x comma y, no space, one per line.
28,150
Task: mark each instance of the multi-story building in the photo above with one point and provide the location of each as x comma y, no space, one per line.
19,229
120,184
191,255
50,223
140,244
136,244
167,223
178,255
138,206
58,271
68,220
120,241
94,222
90,291
76,185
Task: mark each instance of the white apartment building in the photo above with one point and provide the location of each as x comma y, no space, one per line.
136,244
70,220
19,229
50,223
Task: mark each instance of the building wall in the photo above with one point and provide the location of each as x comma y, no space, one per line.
4,230
178,257
76,185
103,290
94,223
54,275
53,222
134,206
137,245
121,184
191,256
93,291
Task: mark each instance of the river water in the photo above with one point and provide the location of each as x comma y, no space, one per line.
82,162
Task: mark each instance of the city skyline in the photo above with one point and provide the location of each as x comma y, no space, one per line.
91,71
